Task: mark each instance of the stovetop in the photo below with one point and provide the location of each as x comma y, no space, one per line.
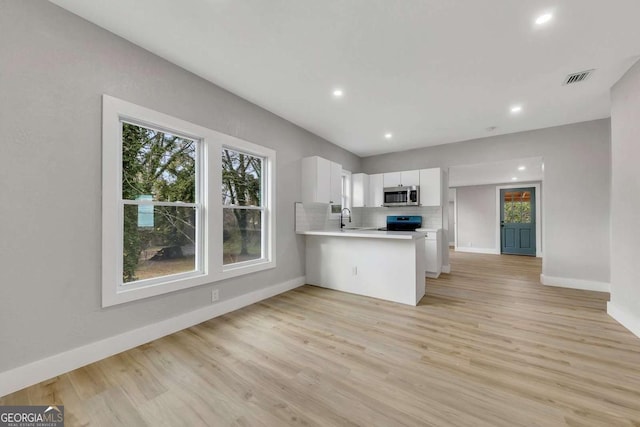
402,223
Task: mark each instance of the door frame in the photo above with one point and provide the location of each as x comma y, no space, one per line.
538,197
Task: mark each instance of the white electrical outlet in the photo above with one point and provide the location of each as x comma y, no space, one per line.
215,295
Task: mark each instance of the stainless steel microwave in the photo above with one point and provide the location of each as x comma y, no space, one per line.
402,196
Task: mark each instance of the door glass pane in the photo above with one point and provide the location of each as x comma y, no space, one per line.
158,241
525,208
517,207
242,235
157,165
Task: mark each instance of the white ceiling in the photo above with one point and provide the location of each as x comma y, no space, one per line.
497,172
428,71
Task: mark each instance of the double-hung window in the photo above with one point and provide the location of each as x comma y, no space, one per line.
243,208
161,205
175,214
247,224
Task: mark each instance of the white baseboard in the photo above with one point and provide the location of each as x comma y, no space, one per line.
566,282
452,244
41,370
625,318
446,268
491,251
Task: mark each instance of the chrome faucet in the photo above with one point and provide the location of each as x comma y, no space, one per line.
341,212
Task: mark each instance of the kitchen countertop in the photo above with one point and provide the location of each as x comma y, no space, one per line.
375,234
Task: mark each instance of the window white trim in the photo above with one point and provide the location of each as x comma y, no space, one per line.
113,292
345,187
347,190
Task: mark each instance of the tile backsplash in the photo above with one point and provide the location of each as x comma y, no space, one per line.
316,217
377,217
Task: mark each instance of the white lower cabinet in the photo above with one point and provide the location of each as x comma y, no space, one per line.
360,265
433,252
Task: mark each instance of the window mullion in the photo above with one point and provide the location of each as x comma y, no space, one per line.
255,208
154,203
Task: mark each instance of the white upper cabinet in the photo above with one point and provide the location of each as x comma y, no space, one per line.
431,187
335,193
321,180
409,178
404,178
368,189
360,182
376,186
392,179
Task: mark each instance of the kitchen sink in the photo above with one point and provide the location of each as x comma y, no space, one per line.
358,228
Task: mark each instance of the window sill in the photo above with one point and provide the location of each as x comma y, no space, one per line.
241,268
127,293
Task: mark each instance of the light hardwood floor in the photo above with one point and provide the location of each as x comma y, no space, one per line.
488,346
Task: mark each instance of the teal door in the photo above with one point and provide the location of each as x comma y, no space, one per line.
518,221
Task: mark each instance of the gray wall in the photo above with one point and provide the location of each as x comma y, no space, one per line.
575,198
477,216
54,67
625,195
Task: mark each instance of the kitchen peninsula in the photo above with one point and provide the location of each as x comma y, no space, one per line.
382,264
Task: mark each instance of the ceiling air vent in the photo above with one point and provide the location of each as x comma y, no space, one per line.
577,77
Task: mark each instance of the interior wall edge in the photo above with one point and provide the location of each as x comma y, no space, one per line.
630,321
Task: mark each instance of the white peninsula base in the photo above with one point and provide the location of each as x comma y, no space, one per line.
376,264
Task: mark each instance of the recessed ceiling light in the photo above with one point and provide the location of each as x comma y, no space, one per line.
516,109
521,168
514,178
388,135
338,93
544,18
